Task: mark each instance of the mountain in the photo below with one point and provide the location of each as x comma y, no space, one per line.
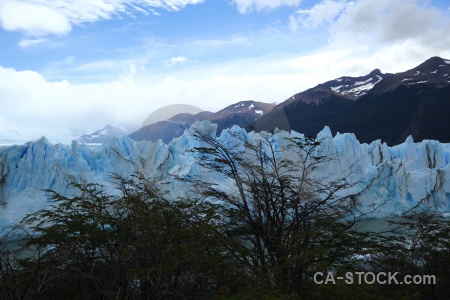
389,107
168,129
351,88
397,178
108,131
243,114
168,111
434,72
309,111
415,102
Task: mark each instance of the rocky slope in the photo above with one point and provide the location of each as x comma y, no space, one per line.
389,107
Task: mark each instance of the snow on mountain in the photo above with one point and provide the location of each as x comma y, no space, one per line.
432,72
351,88
108,131
354,88
244,113
375,106
397,178
248,107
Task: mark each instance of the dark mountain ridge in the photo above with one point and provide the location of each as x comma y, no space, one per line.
434,72
389,107
168,129
415,102
375,106
243,114
309,111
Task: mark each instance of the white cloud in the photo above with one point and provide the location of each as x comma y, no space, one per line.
245,6
390,35
175,60
43,17
99,65
32,18
378,23
55,109
373,22
324,12
25,43
365,35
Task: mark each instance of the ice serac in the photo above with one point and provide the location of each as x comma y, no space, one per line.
394,179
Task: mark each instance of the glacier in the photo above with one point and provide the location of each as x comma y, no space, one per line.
395,178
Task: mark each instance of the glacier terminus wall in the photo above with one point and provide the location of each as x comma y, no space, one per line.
399,177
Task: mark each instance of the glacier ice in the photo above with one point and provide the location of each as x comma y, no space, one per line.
395,178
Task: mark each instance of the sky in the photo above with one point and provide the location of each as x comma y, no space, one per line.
69,67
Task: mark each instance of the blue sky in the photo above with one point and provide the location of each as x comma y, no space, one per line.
68,67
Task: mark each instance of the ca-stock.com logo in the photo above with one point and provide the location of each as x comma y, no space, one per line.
373,278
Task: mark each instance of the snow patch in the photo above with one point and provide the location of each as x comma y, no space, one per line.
98,133
363,82
360,90
434,72
424,81
251,106
336,89
417,73
259,112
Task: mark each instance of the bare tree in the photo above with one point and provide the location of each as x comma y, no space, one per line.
23,272
287,221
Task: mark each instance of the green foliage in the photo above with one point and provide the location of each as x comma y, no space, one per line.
265,240
133,245
22,273
420,245
288,223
